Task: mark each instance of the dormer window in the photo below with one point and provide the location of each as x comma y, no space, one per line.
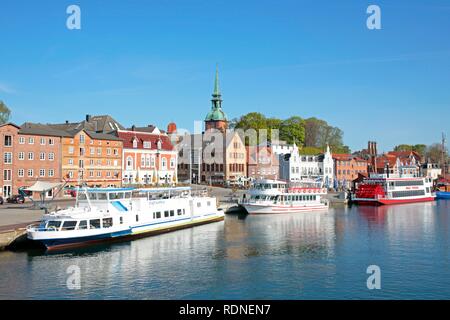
147,144
159,145
135,143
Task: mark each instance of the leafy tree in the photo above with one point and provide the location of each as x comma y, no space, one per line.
310,150
5,113
434,153
419,148
319,134
293,130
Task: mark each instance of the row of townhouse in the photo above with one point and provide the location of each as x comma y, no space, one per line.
97,152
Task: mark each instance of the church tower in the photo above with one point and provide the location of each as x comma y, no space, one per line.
216,118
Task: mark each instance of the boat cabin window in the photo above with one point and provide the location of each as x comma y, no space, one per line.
102,196
94,224
116,195
166,214
82,225
92,196
121,220
157,215
54,225
69,225
81,196
127,195
179,212
107,222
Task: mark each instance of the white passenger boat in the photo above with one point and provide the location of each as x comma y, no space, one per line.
118,213
274,196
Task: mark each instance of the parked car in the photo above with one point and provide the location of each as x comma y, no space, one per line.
16,199
1,200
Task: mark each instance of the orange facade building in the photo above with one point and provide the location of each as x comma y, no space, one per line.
347,167
91,158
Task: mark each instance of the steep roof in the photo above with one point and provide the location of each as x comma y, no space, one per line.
42,130
129,136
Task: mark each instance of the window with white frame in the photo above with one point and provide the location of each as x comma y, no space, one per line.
21,173
152,161
70,162
21,140
147,144
142,160
30,140
82,138
51,141
51,172
164,163
7,158
129,163
71,150
8,141
42,141
41,172
30,156
30,173
42,156
51,156
172,162
7,175
21,155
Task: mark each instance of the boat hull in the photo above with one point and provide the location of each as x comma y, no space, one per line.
442,195
378,202
264,209
129,234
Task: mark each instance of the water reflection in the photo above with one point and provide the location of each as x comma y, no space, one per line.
279,234
285,256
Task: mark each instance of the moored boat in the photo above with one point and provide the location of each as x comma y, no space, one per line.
382,189
274,196
110,214
443,190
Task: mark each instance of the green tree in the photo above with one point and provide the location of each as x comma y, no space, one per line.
319,134
434,153
419,148
293,130
5,113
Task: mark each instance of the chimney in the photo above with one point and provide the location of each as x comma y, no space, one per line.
88,117
67,121
133,128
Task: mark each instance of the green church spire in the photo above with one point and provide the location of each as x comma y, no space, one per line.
216,113
216,83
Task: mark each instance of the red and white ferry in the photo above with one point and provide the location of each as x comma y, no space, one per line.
380,189
275,196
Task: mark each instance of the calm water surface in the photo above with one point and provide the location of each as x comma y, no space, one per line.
292,256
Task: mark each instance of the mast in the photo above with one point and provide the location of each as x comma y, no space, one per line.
443,160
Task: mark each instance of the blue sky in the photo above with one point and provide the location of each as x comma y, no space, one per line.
152,62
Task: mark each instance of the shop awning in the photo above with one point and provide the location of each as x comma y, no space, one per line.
41,186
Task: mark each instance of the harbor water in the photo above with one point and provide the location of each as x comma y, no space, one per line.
284,256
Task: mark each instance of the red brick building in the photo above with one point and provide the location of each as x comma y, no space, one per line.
29,155
262,163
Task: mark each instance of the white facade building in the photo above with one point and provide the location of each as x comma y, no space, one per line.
296,167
